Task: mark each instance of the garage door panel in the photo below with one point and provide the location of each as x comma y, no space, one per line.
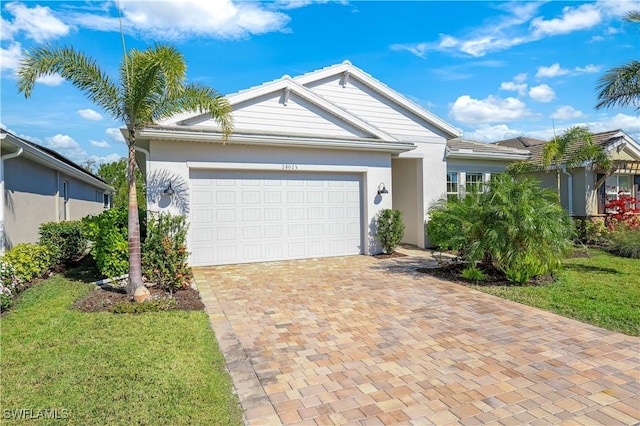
246,216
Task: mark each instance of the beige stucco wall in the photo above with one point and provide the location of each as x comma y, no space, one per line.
30,199
406,181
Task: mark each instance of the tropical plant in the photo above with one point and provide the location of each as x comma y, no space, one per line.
115,174
390,229
571,149
151,87
624,241
517,227
620,86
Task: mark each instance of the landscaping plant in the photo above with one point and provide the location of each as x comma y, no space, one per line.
517,227
29,261
390,229
65,240
9,285
164,255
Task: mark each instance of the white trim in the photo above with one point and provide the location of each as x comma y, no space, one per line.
283,141
278,167
486,155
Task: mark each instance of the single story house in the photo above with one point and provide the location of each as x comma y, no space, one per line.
39,185
311,162
585,190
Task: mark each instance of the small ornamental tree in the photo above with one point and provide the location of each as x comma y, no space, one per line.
623,211
390,229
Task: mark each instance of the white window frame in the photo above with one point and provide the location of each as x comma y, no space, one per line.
455,193
480,184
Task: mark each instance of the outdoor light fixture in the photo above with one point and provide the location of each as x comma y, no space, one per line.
169,191
382,189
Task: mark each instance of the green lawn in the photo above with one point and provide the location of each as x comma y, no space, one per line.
103,368
602,289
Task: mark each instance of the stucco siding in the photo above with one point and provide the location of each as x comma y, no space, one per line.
360,100
405,185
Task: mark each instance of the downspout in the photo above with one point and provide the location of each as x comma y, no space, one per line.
569,190
2,194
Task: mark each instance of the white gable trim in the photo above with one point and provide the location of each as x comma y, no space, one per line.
350,71
288,86
626,143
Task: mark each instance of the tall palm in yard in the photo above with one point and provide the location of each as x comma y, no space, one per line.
152,86
621,85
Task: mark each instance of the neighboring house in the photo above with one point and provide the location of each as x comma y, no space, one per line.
585,190
40,185
311,162
470,164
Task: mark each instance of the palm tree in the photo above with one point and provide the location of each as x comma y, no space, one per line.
574,147
621,85
152,86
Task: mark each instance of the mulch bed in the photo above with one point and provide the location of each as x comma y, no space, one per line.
453,272
102,299
388,255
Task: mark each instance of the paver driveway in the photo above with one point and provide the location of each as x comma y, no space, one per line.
366,341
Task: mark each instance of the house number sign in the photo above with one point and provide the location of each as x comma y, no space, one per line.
289,167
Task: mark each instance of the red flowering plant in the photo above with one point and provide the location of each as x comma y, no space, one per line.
625,211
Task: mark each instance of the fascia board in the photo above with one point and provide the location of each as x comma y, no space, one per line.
54,163
281,141
383,90
487,156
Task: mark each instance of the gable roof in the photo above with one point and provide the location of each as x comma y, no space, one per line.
520,142
609,140
351,129
464,148
52,159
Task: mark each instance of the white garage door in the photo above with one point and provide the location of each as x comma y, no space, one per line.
242,217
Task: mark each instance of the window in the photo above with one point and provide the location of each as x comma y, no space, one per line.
618,185
474,182
452,185
106,203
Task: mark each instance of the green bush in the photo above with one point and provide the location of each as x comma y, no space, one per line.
109,233
592,231
65,240
517,227
473,274
390,229
625,242
164,254
9,285
29,261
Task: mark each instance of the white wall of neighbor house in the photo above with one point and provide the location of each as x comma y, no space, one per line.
171,161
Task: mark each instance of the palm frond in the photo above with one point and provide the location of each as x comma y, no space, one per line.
620,86
75,67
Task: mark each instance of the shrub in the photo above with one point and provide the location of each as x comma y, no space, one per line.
390,229
9,285
164,254
65,240
593,232
625,241
29,261
517,226
473,274
109,234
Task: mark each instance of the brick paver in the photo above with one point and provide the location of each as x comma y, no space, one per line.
357,340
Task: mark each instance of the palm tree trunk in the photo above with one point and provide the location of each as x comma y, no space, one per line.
135,253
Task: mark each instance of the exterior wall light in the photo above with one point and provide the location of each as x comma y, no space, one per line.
169,191
382,189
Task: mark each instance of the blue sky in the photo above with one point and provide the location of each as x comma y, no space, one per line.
493,69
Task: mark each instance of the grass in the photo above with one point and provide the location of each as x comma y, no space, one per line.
602,289
103,368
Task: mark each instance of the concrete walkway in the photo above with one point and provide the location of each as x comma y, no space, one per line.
357,340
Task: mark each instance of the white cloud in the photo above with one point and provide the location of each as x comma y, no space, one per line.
100,144
554,70
182,19
105,159
492,133
67,146
10,58
542,93
629,123
573,19
51,80
520,78
489,110
566,112
38,23
512,86
588,69
115,134
89,114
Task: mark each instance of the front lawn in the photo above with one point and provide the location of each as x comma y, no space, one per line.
601,289
103,368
